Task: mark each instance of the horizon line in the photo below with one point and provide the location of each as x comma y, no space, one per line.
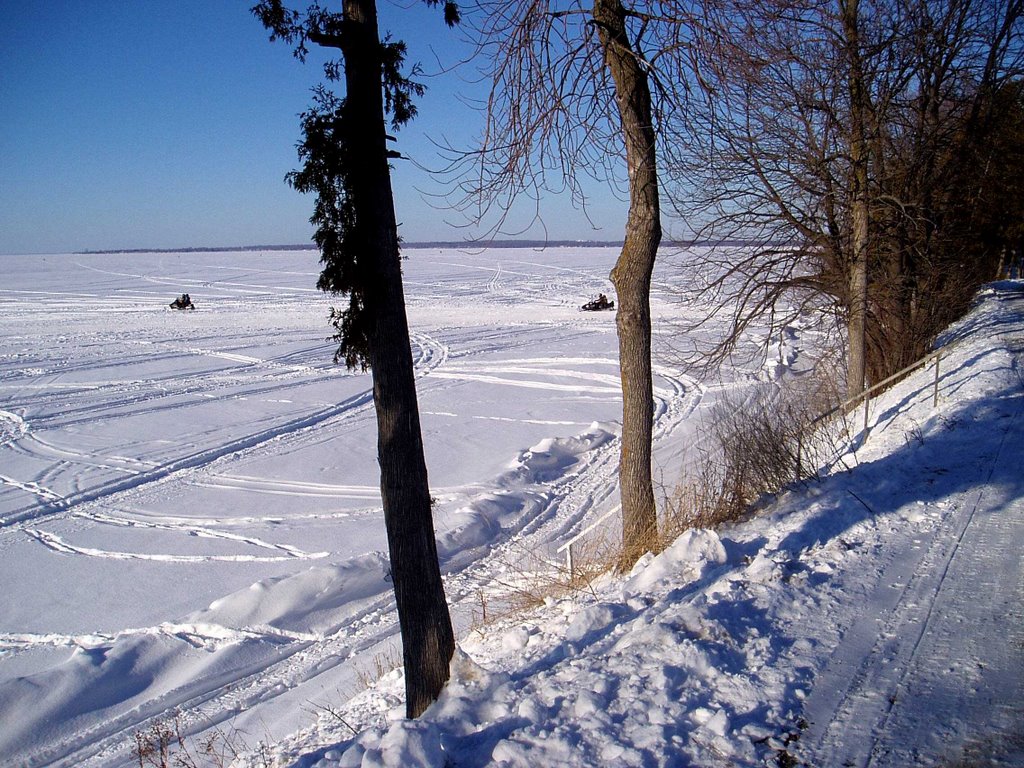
509,243
421,244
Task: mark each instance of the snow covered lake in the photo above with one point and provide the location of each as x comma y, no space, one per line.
190,524
163,473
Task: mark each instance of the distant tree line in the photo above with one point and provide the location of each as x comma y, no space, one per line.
205,249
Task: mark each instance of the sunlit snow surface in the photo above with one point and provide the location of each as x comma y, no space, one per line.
191,523
189,503
872,617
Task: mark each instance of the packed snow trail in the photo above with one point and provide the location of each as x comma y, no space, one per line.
938,651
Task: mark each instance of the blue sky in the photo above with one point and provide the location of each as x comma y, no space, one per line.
172,124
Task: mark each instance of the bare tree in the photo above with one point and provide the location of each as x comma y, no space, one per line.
860,106
836,141
345,156
568,81
937,175
632,279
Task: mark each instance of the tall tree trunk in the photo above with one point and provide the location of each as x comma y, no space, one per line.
427,637
632,279
856,376
856,369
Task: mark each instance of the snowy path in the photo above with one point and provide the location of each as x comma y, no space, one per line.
919,668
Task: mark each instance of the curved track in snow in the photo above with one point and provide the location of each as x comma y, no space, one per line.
499,347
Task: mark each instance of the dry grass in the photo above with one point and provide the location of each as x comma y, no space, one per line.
383,663
165,745
529,580
751,450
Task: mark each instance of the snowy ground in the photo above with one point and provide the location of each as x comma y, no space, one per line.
189,521
189,513
872,618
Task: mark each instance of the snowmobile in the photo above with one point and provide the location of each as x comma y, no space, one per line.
599,304
183,302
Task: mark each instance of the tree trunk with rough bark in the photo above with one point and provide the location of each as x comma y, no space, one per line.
427,637
856,372
632,279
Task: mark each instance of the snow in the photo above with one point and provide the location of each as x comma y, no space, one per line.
190,523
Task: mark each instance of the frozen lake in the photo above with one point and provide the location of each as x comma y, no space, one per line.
160,468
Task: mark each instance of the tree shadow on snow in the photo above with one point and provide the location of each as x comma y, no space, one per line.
975,448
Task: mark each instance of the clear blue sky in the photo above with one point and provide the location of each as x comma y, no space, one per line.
172,123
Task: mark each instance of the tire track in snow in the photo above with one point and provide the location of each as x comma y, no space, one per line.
58,544
551,510
199,459
45,495
540,373
429,354
567,505
282,552
290,487
292,658
211,701
494,284
563,504
114,397
66,460
860,702
197,635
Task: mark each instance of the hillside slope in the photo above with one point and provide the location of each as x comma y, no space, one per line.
872,617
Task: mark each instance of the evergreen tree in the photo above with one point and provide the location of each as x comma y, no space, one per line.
346,165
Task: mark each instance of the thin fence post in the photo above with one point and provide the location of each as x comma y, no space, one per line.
568,560
935,396
867,401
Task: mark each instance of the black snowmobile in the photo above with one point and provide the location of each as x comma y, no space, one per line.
599,304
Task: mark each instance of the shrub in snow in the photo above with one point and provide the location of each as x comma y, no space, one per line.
754,449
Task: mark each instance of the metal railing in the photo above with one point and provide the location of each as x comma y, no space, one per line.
567,547
847,405
850,404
